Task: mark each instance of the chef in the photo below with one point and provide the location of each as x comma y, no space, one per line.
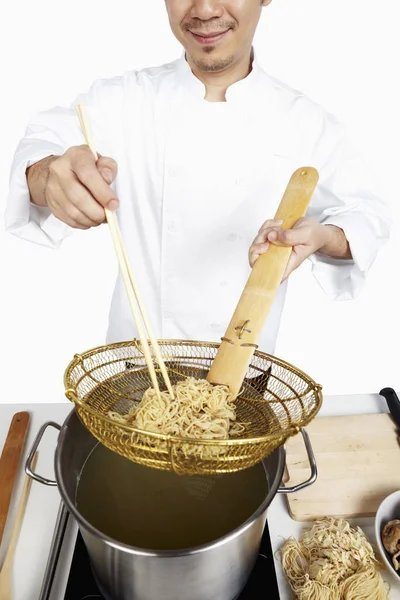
195,156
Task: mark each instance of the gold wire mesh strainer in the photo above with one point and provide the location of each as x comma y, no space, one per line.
275,402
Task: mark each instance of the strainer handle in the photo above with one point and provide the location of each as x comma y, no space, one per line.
313,466
28,464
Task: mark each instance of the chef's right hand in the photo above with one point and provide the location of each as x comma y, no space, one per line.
78,189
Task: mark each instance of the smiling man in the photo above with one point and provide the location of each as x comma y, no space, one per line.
217,37
195,158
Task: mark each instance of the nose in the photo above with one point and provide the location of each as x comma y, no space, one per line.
206,9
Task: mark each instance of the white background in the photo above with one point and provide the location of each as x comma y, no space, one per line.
343,54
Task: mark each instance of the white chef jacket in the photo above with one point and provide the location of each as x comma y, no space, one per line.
196,180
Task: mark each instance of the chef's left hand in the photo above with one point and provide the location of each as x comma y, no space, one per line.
306,237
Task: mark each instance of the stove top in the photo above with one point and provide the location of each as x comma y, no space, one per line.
82,586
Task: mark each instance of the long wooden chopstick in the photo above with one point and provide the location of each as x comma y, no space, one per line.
146,320
134,296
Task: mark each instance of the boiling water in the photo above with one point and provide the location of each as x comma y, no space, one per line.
159,510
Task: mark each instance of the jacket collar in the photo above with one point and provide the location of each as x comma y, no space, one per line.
242,90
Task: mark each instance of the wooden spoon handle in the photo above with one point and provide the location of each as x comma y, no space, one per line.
240,340
9,463
6,570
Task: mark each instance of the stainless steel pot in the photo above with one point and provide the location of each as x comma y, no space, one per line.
215,571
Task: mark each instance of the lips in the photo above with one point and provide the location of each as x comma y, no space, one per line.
209,37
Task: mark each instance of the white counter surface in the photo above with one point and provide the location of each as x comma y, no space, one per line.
41,513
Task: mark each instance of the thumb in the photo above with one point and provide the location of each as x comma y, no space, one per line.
108,168
289,237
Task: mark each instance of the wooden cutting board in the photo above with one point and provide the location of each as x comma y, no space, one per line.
358,462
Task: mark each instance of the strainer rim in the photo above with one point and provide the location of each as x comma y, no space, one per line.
286,433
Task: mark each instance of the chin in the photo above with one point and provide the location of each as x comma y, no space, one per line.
209,60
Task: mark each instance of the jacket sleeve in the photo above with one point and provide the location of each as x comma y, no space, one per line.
348,196
50,132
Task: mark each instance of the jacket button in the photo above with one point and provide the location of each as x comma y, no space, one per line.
172,226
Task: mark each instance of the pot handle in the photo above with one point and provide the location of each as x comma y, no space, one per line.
56,545
28,464
313,466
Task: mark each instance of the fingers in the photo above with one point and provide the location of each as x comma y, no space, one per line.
268,225
303,238
299,234
83,165
65,218
108,168
257,250
260,244
288,237
271,232
70,212
264,230
78,187
82,201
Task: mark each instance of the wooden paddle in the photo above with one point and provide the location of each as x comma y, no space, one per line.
9,463
240,340
6,570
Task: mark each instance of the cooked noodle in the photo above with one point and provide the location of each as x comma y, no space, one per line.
200,410
333,561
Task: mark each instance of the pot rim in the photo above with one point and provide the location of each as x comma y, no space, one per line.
162,553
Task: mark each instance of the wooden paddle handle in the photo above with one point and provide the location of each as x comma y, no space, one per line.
240,340
9,463
6,570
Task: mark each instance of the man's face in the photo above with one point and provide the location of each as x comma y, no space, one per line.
215,33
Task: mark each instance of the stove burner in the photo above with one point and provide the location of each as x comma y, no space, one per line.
82,586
